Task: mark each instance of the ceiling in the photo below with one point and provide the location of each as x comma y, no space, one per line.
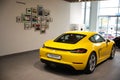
80,0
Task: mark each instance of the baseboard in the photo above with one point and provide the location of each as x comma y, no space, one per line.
20,52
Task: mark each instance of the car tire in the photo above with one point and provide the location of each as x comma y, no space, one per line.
112,55
91,64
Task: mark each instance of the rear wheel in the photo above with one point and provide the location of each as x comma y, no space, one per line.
112,55
91,64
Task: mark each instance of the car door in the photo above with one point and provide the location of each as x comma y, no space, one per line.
101,46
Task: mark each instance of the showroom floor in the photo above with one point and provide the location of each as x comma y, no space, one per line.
26,66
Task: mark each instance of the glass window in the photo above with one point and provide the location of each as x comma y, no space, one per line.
69,38
86,13
109,3
97,38
108,18
108,7
108,11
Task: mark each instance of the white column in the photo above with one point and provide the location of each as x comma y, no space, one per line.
93,15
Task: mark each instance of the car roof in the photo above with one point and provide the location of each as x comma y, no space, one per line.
82,32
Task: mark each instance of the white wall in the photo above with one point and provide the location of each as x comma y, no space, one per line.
13,37
76,15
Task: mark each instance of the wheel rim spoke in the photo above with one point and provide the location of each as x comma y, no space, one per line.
113,52
92,62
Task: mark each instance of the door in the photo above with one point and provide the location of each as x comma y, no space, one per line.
109,26
101,45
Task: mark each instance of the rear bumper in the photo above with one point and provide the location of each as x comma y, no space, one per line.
73,66
76,61
57,64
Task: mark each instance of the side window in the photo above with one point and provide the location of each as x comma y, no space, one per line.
92,39
97,38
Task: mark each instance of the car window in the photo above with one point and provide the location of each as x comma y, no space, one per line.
97,38
69,38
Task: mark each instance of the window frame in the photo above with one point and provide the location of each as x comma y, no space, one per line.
92,39
59,38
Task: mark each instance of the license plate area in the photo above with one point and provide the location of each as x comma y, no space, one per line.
54,56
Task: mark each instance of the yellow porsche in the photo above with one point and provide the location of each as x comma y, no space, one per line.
80,50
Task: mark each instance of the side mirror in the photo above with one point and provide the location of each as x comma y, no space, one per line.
107,41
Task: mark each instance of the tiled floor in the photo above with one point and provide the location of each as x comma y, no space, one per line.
26,66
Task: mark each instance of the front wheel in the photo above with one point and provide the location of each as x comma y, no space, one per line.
91,64
112,55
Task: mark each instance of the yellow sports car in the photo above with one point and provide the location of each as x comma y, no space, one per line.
80,50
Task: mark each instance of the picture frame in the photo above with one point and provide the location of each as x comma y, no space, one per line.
37,26
48,19
28,11
40,10
34,18
46,12
34,11
43,30
41,18
26,18
47,25
27,26
18,19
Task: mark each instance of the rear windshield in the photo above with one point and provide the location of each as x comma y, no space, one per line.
69,38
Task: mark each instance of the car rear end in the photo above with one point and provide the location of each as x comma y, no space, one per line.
63,57
68,49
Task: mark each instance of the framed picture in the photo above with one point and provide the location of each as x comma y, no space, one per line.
26,18
43,30
18,19
34,18
34,11
47,25
46,12
28,10
40,10
27,26
41,18
48,19
37,26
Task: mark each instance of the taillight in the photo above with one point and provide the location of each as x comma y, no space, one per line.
81,50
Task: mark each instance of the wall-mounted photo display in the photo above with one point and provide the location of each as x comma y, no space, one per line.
34,11
35,17
26,18
27,26
28,11
18,19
